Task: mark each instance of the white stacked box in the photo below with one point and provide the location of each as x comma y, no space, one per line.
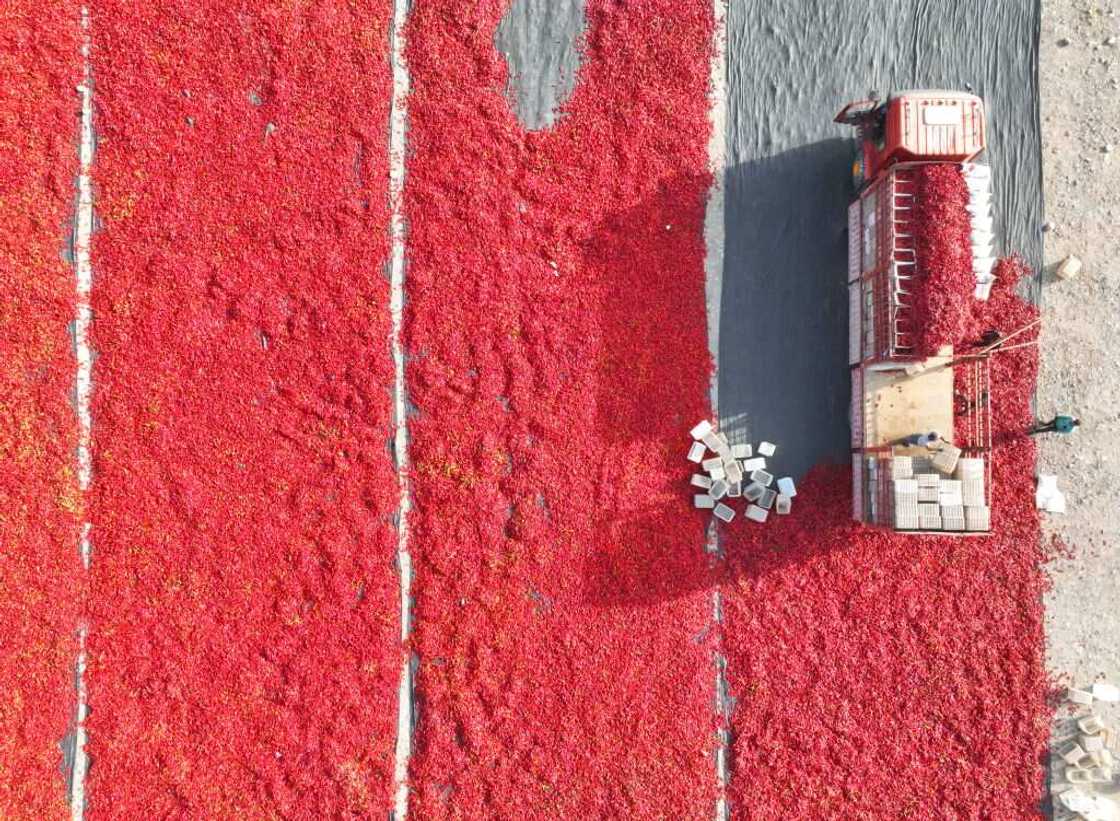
972,492
929,516
902,467
905,501
949,493
906,488
971,474
978,518
978,178
952,517
906,519
921,464
969,468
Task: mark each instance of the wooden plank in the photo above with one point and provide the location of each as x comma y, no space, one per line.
898,405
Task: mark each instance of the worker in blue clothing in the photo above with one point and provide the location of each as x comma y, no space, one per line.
923,440
1059,424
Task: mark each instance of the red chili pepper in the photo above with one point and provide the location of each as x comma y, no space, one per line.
40,506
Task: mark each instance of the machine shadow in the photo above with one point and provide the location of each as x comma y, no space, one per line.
783,356
783,324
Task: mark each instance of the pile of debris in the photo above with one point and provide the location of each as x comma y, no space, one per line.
1090,758
736,471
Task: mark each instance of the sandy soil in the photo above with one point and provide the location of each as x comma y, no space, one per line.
1079,79
1080,75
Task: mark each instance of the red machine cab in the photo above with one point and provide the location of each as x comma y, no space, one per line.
910,126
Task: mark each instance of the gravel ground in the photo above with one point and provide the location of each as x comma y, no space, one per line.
1080,75
1079,79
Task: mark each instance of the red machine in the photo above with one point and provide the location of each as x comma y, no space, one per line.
895,392
912,126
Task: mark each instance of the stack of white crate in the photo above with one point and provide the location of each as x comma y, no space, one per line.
906,504
951,504
977,514
925,500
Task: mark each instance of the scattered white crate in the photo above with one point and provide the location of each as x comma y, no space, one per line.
733,470
1103,691
757,514
1092,743
701,430
726,474
1090,725
724,513
1079,696
712,441
1073,755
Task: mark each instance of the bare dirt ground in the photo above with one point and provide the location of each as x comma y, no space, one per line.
1079,79
1080,75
